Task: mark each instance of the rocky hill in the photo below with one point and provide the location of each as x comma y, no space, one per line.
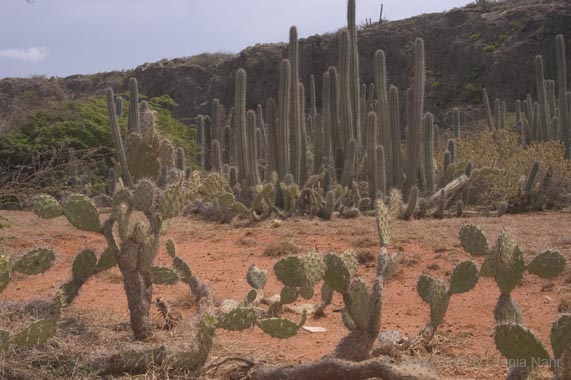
467,49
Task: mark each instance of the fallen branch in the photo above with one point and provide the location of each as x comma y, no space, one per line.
337,369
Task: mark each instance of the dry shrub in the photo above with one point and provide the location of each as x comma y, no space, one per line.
504,165
282,248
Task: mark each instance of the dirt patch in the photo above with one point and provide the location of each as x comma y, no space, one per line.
214,255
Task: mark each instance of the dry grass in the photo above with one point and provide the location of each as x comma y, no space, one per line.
282,248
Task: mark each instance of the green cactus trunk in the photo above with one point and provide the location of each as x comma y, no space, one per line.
283,118
456,122
487,109
545,117
240,126
273,142
303,137
371,145
564,115
252,176
353,77
349,164
216,157
117,139
133,123
429,154
318,142
413,162
326,118
335,118
345,109
294,110
384,127
396,151
380,175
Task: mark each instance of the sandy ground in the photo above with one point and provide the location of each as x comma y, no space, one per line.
221,254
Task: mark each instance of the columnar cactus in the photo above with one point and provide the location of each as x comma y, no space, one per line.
318,144
345,103
241,149
397,166
430,173
456,122
252,176
413,162
487,109
384,126
295,116
545,117
564,111
117,138
303,137
371,144
133,124
354,85
283,118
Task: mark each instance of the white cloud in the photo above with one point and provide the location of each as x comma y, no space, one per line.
31,54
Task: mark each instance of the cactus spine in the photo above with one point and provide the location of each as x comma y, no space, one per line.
413,162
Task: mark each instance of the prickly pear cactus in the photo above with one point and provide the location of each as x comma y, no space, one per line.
383,223
278,327
507,310
36,333
143,157
358,303
337,275
163,276
425,287
5,269
256,278
47,207
144,195
35,262
439,305
288,295
238,319
172,202
82,213
509,264
548,264
314,267
464,277
84,266
291,271
473,240
518,343
107,260
561,336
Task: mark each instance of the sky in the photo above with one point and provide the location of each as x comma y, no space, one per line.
66,37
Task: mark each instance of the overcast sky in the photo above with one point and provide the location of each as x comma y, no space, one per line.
65,37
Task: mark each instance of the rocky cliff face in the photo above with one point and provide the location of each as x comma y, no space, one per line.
467,49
